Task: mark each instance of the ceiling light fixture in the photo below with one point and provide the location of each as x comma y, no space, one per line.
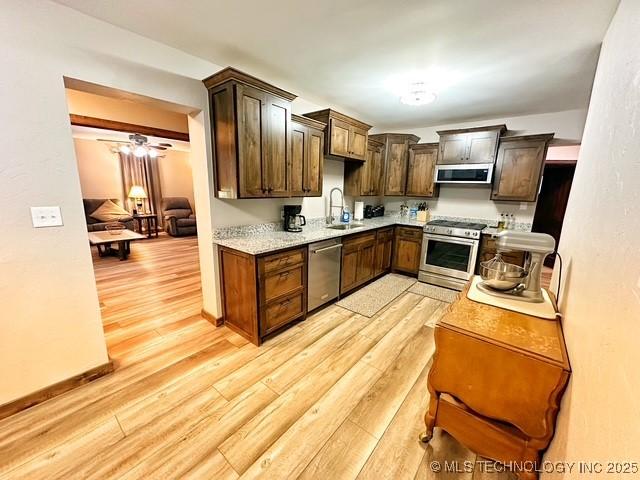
417,94
140,151
125,149
421,87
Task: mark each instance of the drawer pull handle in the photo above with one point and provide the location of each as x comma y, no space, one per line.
285,303
284,274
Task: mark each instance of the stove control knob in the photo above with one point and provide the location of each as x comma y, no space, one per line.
449,231
467,233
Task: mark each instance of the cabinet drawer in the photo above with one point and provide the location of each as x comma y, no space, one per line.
384,234
282,260
354,242
282,282
280,313
409,233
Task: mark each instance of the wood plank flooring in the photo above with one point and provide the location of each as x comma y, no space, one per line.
337,396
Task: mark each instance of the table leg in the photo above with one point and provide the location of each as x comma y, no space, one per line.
123,249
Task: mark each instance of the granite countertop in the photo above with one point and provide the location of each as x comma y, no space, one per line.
271,241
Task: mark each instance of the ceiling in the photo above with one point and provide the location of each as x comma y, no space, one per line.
501,57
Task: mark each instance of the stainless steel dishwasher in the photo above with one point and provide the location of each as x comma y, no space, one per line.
324,272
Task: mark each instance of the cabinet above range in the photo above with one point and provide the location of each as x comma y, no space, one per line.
345,136
251,127
469,145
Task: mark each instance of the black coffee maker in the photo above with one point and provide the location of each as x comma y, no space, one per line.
293,221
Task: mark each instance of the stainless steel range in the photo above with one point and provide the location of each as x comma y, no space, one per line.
449,252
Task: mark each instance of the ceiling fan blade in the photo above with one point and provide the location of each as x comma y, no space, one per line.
157,147
165,144
110,141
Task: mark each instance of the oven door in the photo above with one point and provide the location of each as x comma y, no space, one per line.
450,256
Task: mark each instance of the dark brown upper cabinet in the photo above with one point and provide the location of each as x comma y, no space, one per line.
396,159
519,167
421,170
469,145
345,136
365,179
307,156
251,135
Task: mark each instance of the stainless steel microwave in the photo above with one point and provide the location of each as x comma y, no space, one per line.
468,173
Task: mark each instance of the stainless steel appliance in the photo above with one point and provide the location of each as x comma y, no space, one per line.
449,252
467,173
512,281
293,221
324,272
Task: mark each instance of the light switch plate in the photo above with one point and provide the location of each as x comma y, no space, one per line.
46,217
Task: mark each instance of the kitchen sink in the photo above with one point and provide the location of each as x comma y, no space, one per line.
346,226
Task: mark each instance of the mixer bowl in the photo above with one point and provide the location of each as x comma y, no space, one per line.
501,275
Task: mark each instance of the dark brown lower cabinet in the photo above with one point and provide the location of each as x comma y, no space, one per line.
358,260
262,294
408,244
384,250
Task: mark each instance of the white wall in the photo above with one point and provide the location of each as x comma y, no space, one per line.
99,170
50,327
600,244
474,201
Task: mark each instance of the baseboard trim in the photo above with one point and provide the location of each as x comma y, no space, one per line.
54,390
218,322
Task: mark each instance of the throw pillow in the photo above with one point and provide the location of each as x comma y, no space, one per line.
110,212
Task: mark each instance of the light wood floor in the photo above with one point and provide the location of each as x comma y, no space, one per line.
339,396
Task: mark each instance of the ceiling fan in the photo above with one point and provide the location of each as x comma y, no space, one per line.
138,145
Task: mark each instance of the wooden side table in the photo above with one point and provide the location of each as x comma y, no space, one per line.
496,382
152,223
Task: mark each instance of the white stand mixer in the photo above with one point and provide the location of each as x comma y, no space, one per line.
512,281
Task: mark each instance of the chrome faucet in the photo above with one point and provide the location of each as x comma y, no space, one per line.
330,218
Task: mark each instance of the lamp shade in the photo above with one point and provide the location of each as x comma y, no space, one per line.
137,192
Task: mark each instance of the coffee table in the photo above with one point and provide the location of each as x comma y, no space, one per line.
103,240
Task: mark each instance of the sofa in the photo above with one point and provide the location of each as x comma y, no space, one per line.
178,217
92,204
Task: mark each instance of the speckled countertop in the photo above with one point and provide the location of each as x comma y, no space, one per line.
269,237
270,241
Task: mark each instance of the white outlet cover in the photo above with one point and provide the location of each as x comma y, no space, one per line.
523,205
46,217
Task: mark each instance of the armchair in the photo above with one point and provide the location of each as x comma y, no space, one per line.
178,217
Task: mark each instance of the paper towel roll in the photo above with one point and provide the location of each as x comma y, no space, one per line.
358,211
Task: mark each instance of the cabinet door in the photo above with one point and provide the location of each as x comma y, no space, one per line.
314,162
518,170
420,172
349,269
357,143
384,244
453,148
376,171
339,138
252,108
299,140
366,262
396,163
278,147
407,255
481,147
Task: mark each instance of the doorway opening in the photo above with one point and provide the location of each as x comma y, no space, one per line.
134,164
559,169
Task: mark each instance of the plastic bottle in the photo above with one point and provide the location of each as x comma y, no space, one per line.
501,222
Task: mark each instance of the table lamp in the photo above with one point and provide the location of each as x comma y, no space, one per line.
137,193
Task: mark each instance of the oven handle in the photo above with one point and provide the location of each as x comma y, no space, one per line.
444,238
